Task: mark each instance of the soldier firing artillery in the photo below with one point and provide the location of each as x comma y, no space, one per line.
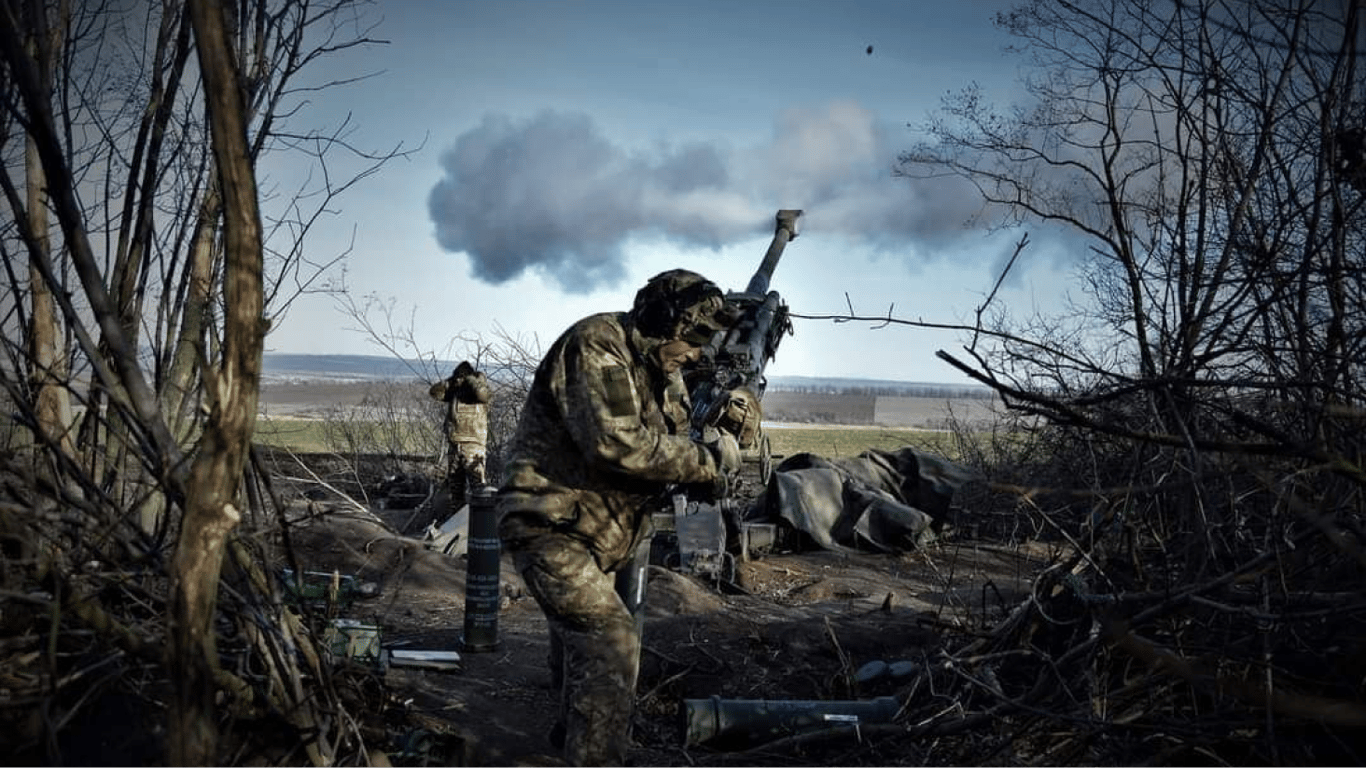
603,437
606,436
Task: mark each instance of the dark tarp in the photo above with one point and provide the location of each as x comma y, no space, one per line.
880,501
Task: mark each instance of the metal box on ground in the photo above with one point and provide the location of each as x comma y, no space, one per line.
353,640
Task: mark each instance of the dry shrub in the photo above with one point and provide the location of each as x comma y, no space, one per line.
1206,606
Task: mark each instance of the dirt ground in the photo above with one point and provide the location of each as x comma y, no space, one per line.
801,627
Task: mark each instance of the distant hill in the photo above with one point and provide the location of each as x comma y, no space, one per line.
281,367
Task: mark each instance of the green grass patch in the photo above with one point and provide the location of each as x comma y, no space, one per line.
310,436
298,435
845,442
347,436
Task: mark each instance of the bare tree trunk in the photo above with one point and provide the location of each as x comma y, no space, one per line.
232,391
182,376
173,241
52,404
48,372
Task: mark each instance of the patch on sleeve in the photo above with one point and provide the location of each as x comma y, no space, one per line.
617,391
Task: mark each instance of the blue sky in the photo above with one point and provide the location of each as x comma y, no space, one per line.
570,150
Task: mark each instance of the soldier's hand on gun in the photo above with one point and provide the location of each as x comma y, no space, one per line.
738,412
726,450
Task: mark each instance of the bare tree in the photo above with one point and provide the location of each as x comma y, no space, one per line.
1194,151
1190,149
1203,409
143,267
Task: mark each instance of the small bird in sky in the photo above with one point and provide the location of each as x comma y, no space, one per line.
870,50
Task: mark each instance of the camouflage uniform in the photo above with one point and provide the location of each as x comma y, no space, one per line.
467,395
604,432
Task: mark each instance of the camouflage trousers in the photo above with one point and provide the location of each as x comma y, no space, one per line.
595,651
464,472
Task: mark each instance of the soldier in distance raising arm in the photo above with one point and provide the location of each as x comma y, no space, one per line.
603,436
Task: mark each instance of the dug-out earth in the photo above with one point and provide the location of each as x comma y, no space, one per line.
790,627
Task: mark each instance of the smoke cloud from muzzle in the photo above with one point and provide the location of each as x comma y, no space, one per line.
551,194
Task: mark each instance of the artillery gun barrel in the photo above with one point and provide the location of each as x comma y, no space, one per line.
786,230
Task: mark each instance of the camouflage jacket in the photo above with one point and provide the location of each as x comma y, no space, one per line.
467,410
603,433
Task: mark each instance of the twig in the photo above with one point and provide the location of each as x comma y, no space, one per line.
364,510
671,678
845,666
1000,279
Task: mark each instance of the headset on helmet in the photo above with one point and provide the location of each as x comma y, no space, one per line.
664,308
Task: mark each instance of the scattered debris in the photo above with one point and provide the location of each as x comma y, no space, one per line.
354,641
451,537
439,660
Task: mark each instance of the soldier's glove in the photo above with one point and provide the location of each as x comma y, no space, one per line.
739,413
726,450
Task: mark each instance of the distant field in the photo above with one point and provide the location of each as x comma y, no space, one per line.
293,416
298,435
845,441
819,407
876,410
307,436
829,424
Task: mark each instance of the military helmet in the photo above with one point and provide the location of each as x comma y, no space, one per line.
679,304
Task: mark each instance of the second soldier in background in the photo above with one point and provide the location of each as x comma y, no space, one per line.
467,395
